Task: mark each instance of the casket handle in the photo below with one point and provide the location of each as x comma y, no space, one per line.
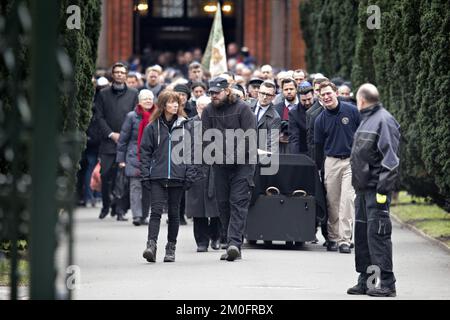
299,192
270,191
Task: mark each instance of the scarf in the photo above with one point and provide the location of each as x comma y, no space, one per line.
142,124
168,123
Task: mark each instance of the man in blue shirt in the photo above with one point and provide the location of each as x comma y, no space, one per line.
333,133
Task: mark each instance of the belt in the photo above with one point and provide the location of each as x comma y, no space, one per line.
340,157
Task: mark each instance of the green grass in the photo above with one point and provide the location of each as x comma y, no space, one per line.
425,216
5,270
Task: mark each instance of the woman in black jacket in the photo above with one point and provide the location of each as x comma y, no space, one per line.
163,173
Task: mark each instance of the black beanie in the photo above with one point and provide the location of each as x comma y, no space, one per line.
182,88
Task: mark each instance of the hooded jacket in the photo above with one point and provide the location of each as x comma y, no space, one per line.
158,157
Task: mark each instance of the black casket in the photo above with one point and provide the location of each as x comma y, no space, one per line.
291,215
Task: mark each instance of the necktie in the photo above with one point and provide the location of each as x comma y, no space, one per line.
285,113
257,114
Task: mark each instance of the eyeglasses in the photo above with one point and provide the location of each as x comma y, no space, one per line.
266,94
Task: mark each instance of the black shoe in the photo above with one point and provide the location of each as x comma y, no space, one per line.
144,222
352,245
183,222
225,257
345,248
325,244
202,249
332,246
113,211
382,292
358,289
150,253
103,213
137,221
233,253
120,217
315,241
215,244
170,252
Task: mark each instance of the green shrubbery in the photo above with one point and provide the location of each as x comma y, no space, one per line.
75,99
408,60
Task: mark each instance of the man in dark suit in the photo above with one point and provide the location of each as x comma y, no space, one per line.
298,126
291,100
112,105
266,116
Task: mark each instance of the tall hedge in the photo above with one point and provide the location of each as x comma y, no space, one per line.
408,60
80,47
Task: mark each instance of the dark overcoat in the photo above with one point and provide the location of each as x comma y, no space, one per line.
201,197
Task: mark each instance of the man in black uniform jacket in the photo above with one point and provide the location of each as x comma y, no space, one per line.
233,178
375,162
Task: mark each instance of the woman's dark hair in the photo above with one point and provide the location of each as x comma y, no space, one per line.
165,97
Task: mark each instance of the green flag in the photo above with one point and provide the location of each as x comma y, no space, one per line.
214,58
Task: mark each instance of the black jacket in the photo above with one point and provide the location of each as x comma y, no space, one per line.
112,107
160,147
374,158
201,197
311,115
190,108
297,130
237,115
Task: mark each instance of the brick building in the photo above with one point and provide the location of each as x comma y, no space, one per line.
269,28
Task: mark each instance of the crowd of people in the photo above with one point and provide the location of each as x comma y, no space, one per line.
351,137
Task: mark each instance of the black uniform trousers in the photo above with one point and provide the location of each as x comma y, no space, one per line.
234,184
373,229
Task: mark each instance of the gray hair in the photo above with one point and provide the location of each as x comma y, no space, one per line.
204,100
145,93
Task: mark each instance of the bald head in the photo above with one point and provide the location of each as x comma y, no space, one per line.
367,95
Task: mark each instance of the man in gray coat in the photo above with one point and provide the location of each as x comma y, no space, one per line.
267,118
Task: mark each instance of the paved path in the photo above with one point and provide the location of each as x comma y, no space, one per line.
109,255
